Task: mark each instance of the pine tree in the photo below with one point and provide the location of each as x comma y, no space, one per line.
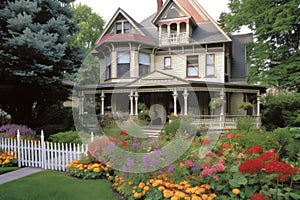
35,56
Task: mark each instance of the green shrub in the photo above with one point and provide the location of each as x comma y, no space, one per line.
281,110
244,124
66,137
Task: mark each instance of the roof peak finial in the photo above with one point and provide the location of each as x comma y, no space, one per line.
159,5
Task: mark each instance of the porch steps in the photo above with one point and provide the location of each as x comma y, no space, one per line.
152,131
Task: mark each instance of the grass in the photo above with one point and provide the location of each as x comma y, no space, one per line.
7,169
53,185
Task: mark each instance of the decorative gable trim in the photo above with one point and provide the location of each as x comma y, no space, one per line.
113,20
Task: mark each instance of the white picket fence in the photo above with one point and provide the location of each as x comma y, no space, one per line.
43,154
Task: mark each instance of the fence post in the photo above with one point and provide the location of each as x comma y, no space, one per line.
19,148
92,136
43,149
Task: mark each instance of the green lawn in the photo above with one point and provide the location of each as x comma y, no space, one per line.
52,185
7,169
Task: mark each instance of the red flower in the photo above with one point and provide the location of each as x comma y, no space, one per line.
257,196
205,141
230,136
123,132
269,156
279,168
254,149
238,135
282,178
124,143
251,166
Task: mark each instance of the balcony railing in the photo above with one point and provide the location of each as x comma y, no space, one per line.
174,39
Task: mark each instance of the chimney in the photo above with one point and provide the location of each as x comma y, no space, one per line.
159,5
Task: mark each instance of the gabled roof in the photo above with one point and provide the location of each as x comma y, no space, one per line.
119,11
157,78
166,10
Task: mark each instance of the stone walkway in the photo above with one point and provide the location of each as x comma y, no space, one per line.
10,176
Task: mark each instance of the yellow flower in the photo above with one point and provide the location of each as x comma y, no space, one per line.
97,170
181,164
141,185
130,183
236,191
146,188
137,195
161,188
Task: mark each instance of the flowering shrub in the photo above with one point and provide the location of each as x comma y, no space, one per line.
87,168
10,131
8,159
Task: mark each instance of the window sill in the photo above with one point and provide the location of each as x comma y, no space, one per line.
167,68
192,77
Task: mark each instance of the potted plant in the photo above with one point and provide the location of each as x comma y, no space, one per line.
244,105
216,103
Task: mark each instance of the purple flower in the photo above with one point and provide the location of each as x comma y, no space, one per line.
136,143
170,168
130,163
196,166
10,130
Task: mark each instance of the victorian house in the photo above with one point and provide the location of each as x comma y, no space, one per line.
176,61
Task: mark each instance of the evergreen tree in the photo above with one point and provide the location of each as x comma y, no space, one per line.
35,56
275,55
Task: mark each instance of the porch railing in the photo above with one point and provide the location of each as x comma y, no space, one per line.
214,122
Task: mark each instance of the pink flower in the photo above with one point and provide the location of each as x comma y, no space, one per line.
205,142
188,163
238,135
230,136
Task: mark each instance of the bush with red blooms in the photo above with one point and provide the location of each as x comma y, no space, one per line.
257,196
278,167
251,166
269,156
254,150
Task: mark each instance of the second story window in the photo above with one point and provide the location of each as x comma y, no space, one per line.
123,27
167,63
108,68
144,64
210,65
192,66
123,65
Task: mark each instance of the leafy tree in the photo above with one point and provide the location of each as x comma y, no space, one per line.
275,55
281,110
35,56
222,20
90,24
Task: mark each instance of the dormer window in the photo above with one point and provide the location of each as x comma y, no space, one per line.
123,27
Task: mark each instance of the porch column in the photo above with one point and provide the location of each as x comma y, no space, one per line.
81,100
159,31
258,110
185,97
175,96
169,31
178,30
102,102
131,102
187,29
222,118
136,98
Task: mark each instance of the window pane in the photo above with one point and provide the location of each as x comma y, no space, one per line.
192,71
144,58
144,70
118,27
210,70
167,62
210,59
123,57
108,61
123,70
127,27
107,72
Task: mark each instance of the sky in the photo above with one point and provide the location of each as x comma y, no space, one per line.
141,9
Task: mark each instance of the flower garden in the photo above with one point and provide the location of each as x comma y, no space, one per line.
231,164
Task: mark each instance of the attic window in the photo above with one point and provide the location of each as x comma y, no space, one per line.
123,27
